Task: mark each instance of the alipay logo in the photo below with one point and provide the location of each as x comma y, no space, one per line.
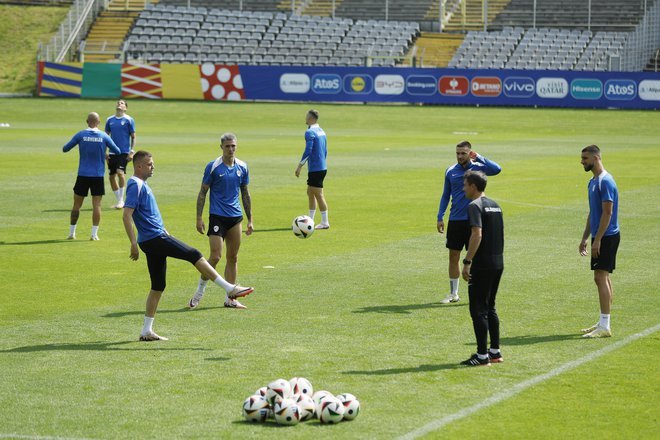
326,83
586,89
519,87
620,89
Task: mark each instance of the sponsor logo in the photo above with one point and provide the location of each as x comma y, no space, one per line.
358,84
649,90
519,87
421,85
454,85
586,89
487,86
326,83
554,88
389,84
294,83
620,89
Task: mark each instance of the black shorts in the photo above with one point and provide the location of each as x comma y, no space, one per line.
158,249
117,162
219,225
84,184
458,234
315,178
607,258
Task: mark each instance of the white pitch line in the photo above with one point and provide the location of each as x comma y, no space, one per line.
522,386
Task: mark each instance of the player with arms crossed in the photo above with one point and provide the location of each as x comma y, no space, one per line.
603,225
315,154
458,229
121,129
157,244
92,144
224,177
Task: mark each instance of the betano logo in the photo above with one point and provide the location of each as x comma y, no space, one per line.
486,86
358,84
519,87
554,88
294,83
586,88
326,83
390,84
620,89
454,85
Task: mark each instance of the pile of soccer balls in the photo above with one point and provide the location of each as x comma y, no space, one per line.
294,401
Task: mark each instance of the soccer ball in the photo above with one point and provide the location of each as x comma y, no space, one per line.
351,405
331,410
255,409
319,395
261,392
286,412
306,406
303,226
277,390
300,385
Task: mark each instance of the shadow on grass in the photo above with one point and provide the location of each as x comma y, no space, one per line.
141,312
420,369
270,423
405,308
96,346
271,230
218,359
66,210
538,339
23,243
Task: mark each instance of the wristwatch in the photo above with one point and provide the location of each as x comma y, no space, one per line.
466,261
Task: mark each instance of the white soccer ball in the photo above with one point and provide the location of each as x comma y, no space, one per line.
331,410
317,396
261,392
300,385
286,412
306,406
303,226
351,405
277,390
255,409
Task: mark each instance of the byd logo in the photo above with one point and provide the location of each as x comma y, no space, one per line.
620,89
519,87
326,83
390,84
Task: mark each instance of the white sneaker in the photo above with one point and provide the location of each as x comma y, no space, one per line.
234,304
322,226
119,205
589,329
194,301
94,238
450,299
151,336
239,292
71,237
599,332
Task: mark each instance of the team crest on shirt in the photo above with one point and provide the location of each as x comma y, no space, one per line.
238,173
216,228
122,122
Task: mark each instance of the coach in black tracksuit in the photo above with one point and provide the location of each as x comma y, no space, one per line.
482,267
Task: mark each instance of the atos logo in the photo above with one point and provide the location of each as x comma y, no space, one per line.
586,89
358,84
421,85
326,83
620,89
454,85
487,86
519,87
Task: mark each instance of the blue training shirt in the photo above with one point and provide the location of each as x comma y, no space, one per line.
225,183
602,188
316,149
146,215
92,143
120,130
454,187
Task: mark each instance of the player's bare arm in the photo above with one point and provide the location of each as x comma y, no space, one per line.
247,207
441,226
201,200
130,232
475,242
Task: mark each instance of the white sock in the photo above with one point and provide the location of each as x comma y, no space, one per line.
453,285
148,323
201,286
482,356
121,194
604,321
95,231
494,350
224,284
324,217
312,213
118,195
72,229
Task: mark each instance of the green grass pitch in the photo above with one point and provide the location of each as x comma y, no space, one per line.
353,309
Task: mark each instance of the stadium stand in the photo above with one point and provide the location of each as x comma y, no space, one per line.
401,10
487,50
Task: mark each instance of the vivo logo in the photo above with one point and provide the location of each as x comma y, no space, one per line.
326,83
519,87
620,89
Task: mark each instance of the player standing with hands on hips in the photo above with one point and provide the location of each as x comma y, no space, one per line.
603,226
92,144
121,129
482,268
458,228
316,151
157,244
224,177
